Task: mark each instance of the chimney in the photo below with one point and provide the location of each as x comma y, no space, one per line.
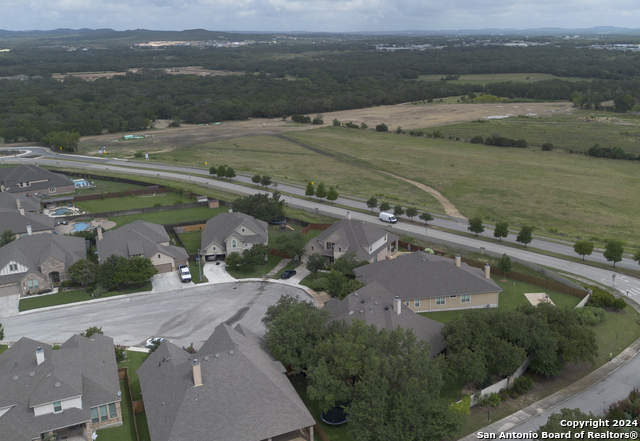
397,306
349,215
99,232
21,210
458,261
29,230
18,204
230,210
487,271
197,373
39,355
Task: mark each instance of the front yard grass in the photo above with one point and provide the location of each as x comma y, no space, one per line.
74,296
3,348
195,273
259,270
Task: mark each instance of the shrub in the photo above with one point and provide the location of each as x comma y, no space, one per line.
121,354
504,394
352,125
321,284
513,393
336,122
477,140
590,315
190,349
603,298
138,155
463,407
301,119
382,128
547,147
523,384
494,399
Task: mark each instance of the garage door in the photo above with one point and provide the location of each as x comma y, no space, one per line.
164,268
9,290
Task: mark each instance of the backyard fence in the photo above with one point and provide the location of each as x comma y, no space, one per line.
502,384
137,211
123,372
154,189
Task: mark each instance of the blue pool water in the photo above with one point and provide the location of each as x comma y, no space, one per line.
79,183
80,226
61,211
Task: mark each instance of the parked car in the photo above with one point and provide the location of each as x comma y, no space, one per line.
288,274
185,274
151,342
387,217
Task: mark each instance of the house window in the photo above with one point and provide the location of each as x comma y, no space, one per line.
440,300
214,248
57,407
416,303
52,190
311,247
103,413
112,411
234,244
375,258
453,297
13,267
243,230
340,249
465,298
33,284
94,415
330,245
406,303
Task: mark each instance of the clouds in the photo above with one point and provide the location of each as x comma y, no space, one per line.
315,15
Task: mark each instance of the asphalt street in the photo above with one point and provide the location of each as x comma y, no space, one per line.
184,316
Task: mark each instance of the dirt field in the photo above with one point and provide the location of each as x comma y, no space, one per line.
189,70
405,115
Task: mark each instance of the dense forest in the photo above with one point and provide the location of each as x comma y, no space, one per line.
281,79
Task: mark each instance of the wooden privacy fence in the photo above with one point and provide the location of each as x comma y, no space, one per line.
313,226
154,189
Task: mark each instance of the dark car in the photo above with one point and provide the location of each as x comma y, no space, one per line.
288,274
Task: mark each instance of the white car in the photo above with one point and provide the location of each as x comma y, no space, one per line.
153,341
185,274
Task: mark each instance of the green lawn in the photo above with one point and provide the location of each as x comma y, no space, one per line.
143,427
131,202
335,433
134,361
482,79
3,348
74,296
102,186
127,431
171,217
510,298
195,275
258,271
191,241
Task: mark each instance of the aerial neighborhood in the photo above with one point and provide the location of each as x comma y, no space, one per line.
302,236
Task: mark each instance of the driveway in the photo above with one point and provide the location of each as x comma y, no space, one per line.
184,316
217,273
169,282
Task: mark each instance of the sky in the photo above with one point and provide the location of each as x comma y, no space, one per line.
315,15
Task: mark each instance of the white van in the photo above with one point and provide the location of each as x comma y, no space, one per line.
387,217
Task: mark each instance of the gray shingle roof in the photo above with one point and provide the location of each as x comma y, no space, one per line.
245,395
378,309
357,236
420,275
8,200
81,366
32,251
138,237
218,229
11,176
11,219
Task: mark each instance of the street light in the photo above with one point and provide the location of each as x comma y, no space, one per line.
613,284
199,270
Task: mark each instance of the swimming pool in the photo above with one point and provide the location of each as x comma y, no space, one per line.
80,183
61,211
80,226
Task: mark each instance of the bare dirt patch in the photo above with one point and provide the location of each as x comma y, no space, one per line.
189,70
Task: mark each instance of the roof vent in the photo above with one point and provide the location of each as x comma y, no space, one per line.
230,352
362,301
362,311
206,358
386,308
350,312
48,375
355,294
217,355
424,260
375,303
15,377
57,384
31,374
119,393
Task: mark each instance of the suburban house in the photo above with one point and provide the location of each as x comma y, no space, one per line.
14,202
426,282
375,305
31,180
368,242
232,233
38,262
231,390
69,391
21,215
145,239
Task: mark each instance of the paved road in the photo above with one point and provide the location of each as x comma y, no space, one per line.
182,316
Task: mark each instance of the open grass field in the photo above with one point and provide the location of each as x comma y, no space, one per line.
108,187
131,202
482,79
170,217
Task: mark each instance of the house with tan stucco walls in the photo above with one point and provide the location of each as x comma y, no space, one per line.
427,282
231,233
368,242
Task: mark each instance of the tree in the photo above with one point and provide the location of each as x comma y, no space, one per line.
316,262
525,235
310,191
65,141
321,191
613,250
265,181
1,332
82,272
411,212
372,203
222,171
230,173
213,170
7,237
294,327
140,270
112,272
501,230
385,206
340,285
382,128
504,265
475,225
256,179
335,122
292,244
262,206
426,217
92,330
398,211
636,256
623,103
345,264
547,147
468,366
332,194
398,130
233,260
583,248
